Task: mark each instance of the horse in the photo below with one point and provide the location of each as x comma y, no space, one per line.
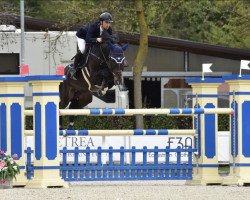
102,71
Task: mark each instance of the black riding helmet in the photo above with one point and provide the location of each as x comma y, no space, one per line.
106,16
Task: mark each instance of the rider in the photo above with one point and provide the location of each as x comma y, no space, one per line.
90,34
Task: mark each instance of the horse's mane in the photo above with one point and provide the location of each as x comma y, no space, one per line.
106,37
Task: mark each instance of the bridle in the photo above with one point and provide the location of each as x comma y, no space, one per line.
118,59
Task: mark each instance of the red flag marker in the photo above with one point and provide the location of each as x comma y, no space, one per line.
24,69
59,70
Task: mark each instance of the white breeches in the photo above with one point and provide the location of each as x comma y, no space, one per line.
81,44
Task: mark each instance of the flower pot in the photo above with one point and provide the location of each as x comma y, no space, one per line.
6,184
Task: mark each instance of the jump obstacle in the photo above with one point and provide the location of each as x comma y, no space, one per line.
201,168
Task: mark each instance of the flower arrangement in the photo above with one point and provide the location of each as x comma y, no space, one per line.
8,167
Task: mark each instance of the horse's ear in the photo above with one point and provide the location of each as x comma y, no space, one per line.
111,46
124,47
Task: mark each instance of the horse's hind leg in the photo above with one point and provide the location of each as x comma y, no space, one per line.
73,105
65,94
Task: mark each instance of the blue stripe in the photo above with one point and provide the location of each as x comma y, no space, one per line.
95,111
174,111
138,132
3,127
38,134
13,79
199,110
246,129
187,111
204,96
83,132
51,130
236,77
210,133
239,93
234,143
150,132
240,164
206,165
107,111
206,80
37,94
119,111
11,95
197,126
45,167
16,129
70,132
45,78
163,132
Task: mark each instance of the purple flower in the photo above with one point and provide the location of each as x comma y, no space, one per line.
15,156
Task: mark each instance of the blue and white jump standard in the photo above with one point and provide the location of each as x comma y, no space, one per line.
46,132
12,121
205,95
240,131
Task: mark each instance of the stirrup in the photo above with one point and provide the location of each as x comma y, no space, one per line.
73,77
72,74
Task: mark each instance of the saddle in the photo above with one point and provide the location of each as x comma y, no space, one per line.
80,61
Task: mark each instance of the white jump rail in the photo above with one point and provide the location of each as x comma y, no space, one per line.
131,112
137,132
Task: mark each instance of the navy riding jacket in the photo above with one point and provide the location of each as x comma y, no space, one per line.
90,32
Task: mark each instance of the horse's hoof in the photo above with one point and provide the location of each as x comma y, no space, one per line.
70,127
99,93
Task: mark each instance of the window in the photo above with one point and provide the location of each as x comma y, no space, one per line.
9,63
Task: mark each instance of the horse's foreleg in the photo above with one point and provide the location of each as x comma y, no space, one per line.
71,122
73,105
102,90
60,123
65,94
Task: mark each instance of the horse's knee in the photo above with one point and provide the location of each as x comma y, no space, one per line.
89,99
63,104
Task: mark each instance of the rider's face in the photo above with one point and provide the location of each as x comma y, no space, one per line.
105,25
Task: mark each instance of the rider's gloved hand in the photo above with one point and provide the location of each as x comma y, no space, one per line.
99,40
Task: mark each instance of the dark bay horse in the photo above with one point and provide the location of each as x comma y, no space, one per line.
102,71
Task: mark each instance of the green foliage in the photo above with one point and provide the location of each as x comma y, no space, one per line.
224,22
151,122
216,22
115,123
223,122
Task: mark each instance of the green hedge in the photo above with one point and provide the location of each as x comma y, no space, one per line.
151,122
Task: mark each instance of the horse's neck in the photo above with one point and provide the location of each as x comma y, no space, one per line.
95,60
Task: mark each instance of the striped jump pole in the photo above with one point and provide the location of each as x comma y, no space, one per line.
205,95
239,91
127,132
45,92
12,121
146,112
